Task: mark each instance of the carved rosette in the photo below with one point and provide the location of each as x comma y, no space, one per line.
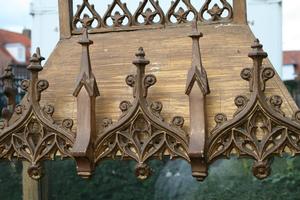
259,129
216,13
31,134
141,133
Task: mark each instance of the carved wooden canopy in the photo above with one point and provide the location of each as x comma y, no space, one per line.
171,106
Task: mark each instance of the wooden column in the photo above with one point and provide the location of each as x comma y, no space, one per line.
65,8
33,189
240,11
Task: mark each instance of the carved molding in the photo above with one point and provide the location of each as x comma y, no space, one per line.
123,19
31,134
259,129
141,132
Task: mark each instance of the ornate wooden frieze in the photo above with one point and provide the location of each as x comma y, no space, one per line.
31,134
151,17
141,132
197,88
259,129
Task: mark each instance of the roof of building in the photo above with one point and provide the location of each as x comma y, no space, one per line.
7,37
291,57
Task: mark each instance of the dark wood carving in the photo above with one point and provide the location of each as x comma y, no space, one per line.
31,134
146,17
215,12
197,88
117,18
141,133
259,129
149,14
86,91
84,18
181,15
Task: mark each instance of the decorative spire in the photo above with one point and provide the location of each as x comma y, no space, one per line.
36,61
197,71
257,51
86,77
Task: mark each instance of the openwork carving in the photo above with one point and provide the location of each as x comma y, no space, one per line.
86,20
215,12
117,17
259,129
141,133
31,134
181,15
149,14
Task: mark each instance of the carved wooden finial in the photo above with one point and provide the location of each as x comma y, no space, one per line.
36,61
257,51
197,72
140,58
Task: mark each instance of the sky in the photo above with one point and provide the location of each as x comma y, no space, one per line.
14,16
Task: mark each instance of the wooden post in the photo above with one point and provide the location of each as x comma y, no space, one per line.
240,11
65,18
33,189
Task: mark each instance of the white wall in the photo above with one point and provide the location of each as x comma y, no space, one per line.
45,29
265,20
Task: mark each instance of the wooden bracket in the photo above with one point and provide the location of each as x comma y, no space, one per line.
197,88
86,91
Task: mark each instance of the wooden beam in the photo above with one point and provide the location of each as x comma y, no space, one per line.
240,11
65,18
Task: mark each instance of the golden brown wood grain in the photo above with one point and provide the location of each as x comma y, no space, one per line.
224,54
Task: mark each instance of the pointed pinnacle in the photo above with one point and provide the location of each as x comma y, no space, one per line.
257,50
36,61
140,55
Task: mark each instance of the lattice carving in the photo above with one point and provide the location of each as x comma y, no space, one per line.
86,20
259,129
216,12
117,17
141,133
181,15
149,14
32,134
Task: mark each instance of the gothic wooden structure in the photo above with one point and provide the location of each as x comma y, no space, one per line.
176,103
